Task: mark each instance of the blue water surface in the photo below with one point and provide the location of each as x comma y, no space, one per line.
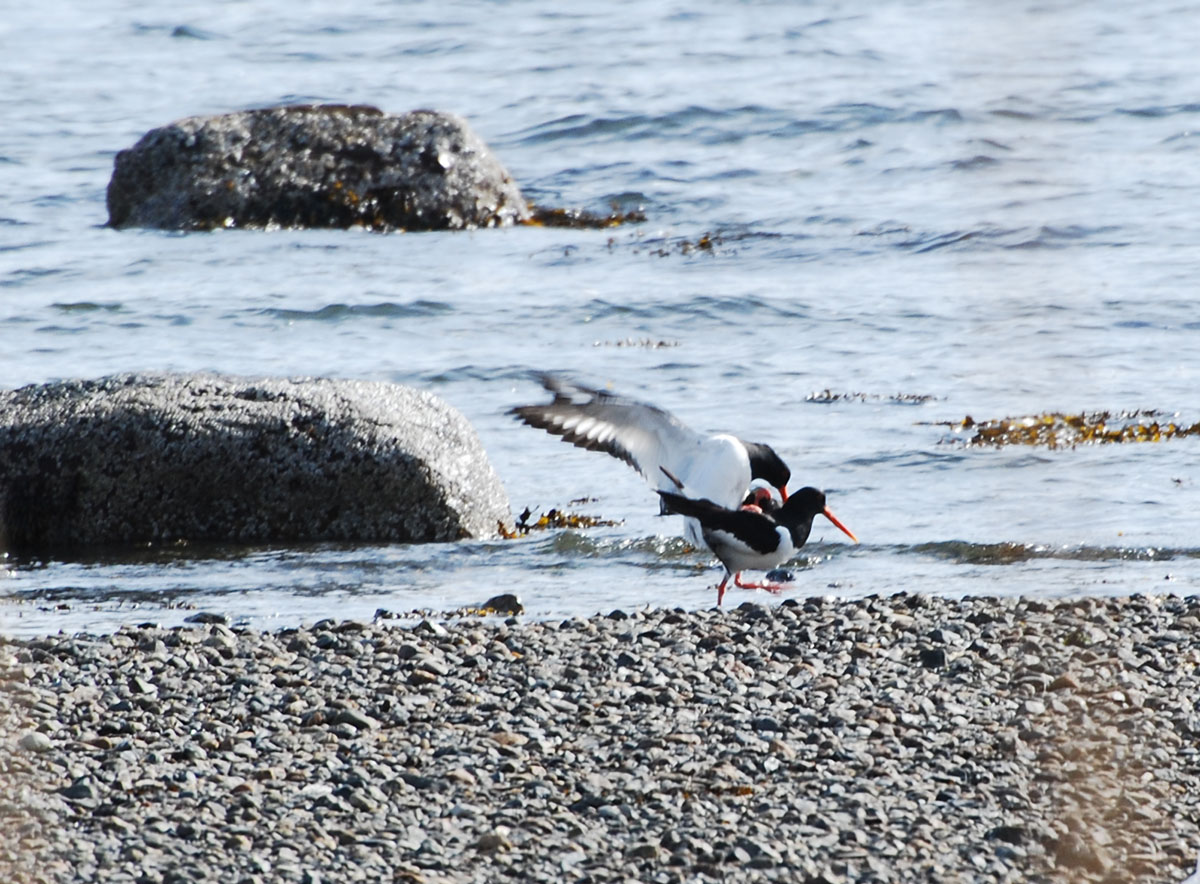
917,212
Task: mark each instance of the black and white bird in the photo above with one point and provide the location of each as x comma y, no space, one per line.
670,455
747,540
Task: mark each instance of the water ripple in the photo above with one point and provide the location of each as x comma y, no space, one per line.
1006,553
339,312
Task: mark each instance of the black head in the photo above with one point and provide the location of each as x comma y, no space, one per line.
767,465
806,502
803,505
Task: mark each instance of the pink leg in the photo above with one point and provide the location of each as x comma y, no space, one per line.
770,587
721,590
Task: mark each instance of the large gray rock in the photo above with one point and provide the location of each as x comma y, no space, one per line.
313,166
203,457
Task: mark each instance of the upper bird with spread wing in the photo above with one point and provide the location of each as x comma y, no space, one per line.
670,455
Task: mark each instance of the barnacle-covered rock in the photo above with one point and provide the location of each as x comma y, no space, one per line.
162,458
313,166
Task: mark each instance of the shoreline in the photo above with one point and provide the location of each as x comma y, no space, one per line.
877,739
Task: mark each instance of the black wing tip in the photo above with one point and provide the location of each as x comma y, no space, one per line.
544,417
566,390
765,463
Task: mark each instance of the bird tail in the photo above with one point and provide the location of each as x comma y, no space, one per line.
686,506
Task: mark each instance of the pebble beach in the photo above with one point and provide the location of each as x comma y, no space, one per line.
907,738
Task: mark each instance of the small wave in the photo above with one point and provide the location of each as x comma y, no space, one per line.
88,306
29,274
693,119
578,544
1157,111
1048,237
1008,553
979,161
339,312
705,306
939,116
989,237
187,32
992,237
1013,114
1187,138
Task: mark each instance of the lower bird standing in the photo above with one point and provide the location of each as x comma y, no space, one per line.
744,539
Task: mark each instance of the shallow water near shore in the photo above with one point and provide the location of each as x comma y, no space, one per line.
863,226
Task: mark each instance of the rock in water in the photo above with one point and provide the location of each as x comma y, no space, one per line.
313,166
205,457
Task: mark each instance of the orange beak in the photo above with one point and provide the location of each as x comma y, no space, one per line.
831,517
783,493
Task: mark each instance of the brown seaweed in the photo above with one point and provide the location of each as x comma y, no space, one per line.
1059,430
827,396
554,518
581,219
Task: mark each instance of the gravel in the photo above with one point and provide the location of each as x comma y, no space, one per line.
884,739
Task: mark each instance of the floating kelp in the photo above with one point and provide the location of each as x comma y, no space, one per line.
1057,430
554,518
706,243
827,396
644,343
581,219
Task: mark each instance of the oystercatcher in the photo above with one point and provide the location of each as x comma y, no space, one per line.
669,454
744,539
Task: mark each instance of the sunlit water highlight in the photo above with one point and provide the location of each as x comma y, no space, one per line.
948,211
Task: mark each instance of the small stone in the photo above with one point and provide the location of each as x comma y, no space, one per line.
356,719
933,658
78,791
35,741
779,747
1065,682
207,618
492,842
643,851
432,627
505,603
1009,834
1074,852
508,738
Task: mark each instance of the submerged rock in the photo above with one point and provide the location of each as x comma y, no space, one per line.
313,166
201,457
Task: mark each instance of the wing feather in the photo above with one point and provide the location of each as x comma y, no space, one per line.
644,436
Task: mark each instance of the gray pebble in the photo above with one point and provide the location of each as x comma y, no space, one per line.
35,741
810,741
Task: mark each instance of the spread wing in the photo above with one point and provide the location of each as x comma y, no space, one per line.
644,436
